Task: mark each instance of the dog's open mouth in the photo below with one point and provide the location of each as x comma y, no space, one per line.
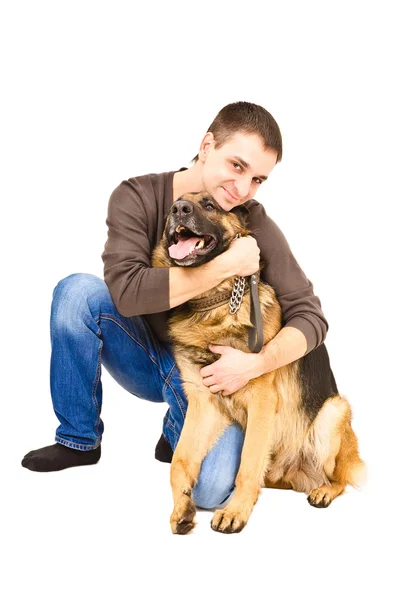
189,243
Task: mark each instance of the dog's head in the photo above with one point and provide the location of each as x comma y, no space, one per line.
197,229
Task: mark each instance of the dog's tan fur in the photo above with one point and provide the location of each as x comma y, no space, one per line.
282,448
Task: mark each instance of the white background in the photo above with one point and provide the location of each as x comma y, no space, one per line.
94,93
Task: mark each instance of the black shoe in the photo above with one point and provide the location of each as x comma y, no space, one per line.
163,451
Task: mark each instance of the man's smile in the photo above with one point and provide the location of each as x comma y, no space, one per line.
230,195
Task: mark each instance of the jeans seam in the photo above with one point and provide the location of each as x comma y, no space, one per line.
170,426
96,382
74,445
153,360
167,382
166,379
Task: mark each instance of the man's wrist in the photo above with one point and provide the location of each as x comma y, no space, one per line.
221,267
288,345
268,357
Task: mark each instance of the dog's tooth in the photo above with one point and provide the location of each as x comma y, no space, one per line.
200,244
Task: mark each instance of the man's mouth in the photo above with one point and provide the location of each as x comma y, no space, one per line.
230,195
189,243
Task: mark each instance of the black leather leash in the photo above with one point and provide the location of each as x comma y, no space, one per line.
256,335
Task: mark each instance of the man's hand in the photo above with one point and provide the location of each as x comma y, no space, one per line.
242,257
232,371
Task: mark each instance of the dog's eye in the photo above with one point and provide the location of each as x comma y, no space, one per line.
209,205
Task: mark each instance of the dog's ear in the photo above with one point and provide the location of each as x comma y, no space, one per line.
242,212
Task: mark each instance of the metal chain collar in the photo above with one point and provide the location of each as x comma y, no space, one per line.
237,295
238,290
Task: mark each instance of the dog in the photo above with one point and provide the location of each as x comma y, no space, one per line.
297,426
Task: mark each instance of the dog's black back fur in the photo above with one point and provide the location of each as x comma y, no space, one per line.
317,380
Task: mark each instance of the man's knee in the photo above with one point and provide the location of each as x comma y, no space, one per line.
219,469
210,495
71,297
77,282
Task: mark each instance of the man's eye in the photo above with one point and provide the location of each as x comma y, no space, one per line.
237,165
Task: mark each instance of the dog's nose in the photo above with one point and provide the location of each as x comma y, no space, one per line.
182,208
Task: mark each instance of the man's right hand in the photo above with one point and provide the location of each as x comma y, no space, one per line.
242,257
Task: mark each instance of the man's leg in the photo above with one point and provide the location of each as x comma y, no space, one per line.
216,482
87,331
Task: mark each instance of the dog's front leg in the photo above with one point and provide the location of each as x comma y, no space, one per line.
255,459
202,427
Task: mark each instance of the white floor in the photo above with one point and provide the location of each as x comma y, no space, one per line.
79,120
103,530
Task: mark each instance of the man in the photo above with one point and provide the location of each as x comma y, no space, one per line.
121,322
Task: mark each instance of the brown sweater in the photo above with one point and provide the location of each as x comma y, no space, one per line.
137,211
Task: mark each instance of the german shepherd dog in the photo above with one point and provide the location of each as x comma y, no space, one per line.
297,426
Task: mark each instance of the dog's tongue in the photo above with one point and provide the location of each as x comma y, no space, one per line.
183,248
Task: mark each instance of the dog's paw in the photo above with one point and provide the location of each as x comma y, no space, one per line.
321,497
182,521
226,521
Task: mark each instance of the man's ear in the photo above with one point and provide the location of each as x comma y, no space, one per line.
242,212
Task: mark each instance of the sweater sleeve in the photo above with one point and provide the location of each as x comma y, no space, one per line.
300,307
135,287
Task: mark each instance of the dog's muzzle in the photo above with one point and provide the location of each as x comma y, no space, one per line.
186,239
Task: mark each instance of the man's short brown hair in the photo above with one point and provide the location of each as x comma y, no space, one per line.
247,118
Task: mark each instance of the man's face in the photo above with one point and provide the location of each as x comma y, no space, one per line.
225,176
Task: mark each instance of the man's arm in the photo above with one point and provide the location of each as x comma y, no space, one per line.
241,258
304,324
287,346
188,282
235,368
301,308
135,286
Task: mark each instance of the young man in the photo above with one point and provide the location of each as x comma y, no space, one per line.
121,322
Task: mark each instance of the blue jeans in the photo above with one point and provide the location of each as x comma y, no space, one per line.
86,332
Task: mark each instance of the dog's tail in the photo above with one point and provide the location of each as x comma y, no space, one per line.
350,468
357,475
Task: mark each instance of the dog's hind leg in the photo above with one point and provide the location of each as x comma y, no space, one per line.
278,485
255,459
344,466
202,428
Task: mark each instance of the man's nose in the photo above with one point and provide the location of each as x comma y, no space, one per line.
182,208
242,187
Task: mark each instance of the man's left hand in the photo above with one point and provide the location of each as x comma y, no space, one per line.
232,371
